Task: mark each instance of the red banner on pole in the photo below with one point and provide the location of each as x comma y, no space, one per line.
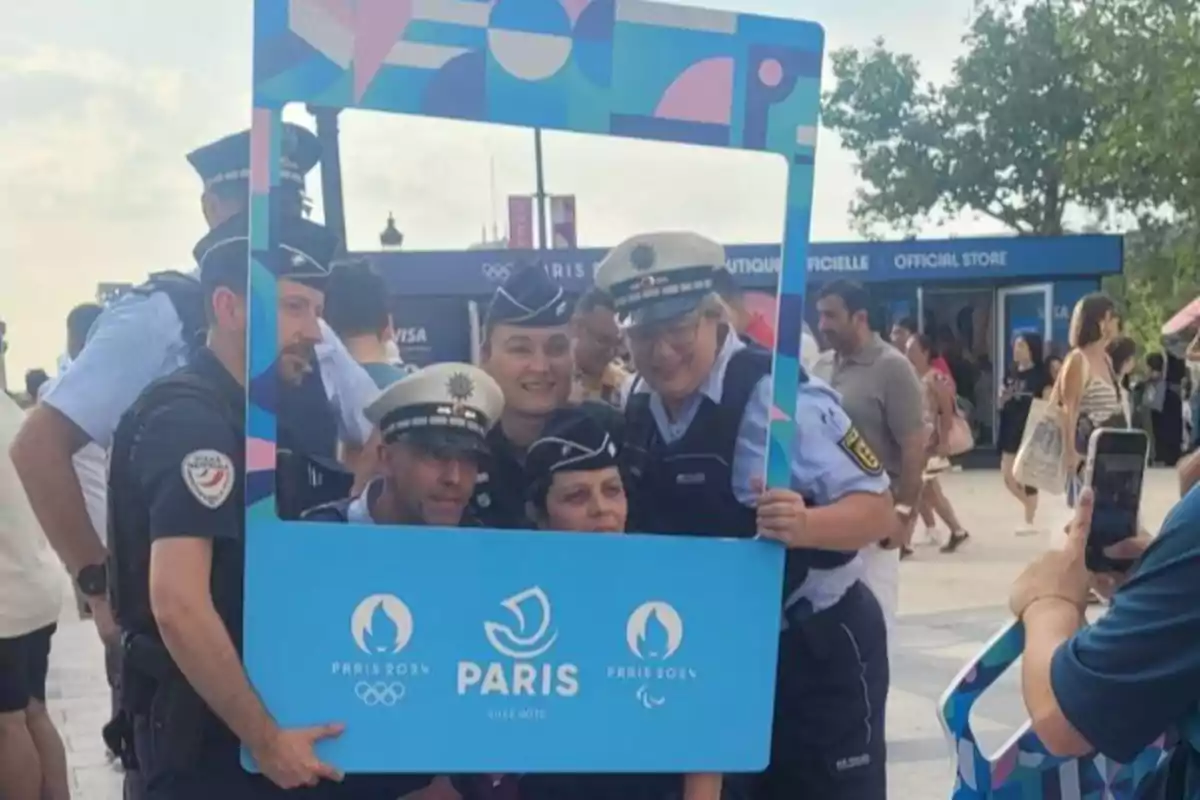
520,222
562,220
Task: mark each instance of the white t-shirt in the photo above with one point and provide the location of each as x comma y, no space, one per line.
91,467
31,579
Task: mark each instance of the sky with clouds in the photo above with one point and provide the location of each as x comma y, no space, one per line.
102,100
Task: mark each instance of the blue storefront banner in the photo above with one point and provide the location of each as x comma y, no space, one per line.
999,260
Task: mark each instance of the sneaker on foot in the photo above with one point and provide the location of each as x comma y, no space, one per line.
930,539
956,539
1028,530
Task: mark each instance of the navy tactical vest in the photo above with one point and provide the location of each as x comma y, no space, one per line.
128,512
306,421
499,497
687,487
337,511
186,296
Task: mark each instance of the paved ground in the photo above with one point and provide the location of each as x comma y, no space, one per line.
949,606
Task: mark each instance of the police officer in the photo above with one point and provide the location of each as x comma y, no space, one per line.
527,350
433,427
176,489
696,437
148,334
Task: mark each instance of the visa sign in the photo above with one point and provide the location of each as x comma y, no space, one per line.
412,336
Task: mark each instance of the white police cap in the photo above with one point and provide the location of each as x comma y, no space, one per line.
656,276
445,404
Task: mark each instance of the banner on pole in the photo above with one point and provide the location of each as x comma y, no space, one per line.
562,221
520,222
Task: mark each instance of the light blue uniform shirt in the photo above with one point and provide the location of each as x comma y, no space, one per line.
139,339
821,468
359,510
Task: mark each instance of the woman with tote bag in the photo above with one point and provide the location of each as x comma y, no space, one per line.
1088,386
1085,396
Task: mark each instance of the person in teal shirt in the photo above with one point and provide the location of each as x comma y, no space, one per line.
1114,686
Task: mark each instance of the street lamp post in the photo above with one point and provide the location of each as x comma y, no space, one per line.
331,170
543,241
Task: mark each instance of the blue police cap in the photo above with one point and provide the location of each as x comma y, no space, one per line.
573,440
304,251
228,159
529,299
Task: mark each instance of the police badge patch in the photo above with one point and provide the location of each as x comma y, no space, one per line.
208,475
860,452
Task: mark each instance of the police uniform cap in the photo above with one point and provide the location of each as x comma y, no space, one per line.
442,405
304,251
228,158
573,440
529,299
655,277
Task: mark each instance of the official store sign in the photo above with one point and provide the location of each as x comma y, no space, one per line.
461,651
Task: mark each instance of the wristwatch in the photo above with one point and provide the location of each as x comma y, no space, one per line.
92,580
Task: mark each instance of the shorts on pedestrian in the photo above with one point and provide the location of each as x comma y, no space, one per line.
24,664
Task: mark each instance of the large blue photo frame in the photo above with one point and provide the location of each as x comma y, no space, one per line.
455,650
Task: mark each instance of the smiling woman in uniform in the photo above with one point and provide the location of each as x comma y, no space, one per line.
574,482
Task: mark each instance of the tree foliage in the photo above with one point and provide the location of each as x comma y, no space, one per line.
1143,59
1144,67
995,139
1161,276
1085,104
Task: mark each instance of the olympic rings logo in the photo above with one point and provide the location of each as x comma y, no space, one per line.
380,693
497,272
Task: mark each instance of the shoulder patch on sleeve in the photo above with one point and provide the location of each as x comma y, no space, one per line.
208,475
860,452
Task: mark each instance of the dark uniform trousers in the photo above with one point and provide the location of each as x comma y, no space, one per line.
216,775
828,738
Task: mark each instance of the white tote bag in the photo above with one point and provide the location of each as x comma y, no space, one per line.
1039,461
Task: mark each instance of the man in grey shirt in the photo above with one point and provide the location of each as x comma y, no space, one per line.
882,395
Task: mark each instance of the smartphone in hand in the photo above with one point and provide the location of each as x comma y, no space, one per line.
1115,469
